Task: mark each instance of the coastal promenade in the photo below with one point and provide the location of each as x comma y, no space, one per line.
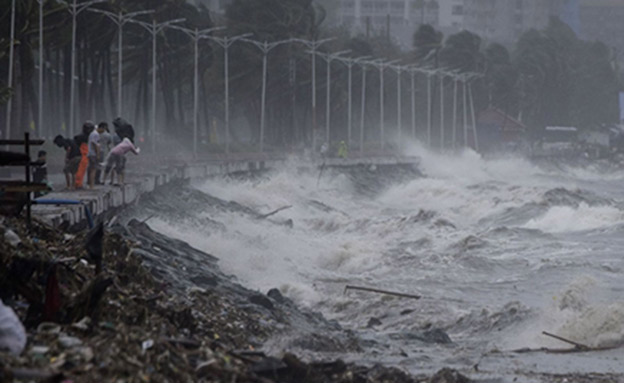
147,173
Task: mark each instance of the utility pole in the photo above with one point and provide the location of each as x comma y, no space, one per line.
154,29
225,43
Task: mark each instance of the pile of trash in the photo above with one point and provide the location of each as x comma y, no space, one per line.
99,307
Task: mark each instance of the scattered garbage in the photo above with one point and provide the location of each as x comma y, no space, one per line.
12,238
117,310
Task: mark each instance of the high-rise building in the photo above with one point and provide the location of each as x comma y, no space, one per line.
399,18
504,21
602,20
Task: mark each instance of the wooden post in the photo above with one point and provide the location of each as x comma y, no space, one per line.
27,151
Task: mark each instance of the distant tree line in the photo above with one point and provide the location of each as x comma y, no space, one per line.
549,77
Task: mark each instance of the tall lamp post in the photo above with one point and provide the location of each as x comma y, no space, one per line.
350,62
472,113
381,66
413,71
75,9
329,58
120,19
313,46
455,83
225,43
265,47
195,35
154,29
399,70
10,80
40,103
363,106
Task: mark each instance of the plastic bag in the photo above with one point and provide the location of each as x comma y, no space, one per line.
12,332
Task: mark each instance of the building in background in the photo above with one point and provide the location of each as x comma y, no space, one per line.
603,20
397,18
504,21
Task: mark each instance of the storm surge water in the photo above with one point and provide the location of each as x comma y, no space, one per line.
500,250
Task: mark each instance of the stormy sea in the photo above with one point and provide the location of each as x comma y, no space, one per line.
500,250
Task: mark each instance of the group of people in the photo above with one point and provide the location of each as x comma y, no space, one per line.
94,149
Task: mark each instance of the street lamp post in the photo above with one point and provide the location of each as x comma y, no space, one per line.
381,66
465,110
154,29
40,103
75,9
474,122
265,47
313,46
455,81
10,80
399,70
329,58
196,35
225,43
120,19
412,100
429,74
350,62
363,108
442,74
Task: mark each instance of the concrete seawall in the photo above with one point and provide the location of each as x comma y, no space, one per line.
105,199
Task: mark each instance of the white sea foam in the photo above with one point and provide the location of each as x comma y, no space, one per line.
559,219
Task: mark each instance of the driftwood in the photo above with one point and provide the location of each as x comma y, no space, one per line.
265,216
578,347
371,290
575,344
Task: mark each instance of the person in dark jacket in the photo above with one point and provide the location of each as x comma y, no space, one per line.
72,158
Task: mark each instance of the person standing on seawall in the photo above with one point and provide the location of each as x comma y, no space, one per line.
82,140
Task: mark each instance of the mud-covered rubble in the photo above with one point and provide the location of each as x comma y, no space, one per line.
144,319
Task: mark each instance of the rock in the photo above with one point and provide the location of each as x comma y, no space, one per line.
447,375
268,366
436,336
372,322
276,295
261,300
12,332
69,341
